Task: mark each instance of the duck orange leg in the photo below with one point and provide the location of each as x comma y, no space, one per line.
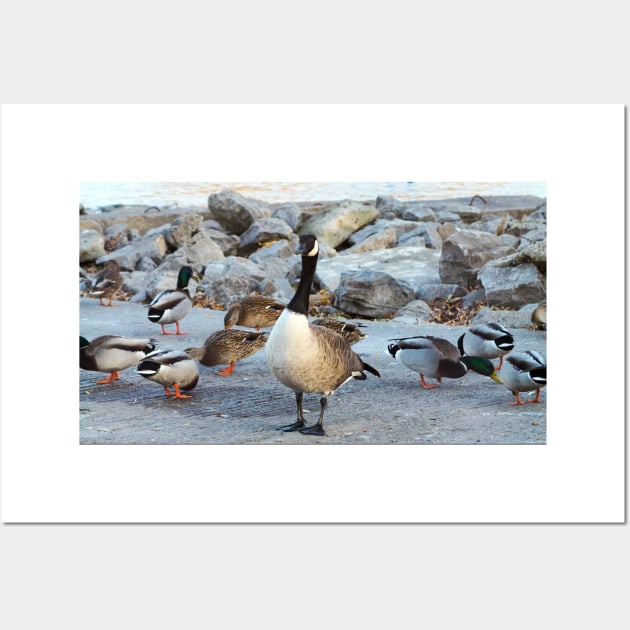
177,393
114,376
425,384
537,399
228,370
518,400
177,330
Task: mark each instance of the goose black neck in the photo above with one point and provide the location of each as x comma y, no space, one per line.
299,303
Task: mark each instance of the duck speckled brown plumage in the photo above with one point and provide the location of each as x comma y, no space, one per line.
228,346
350,332
107,283
255,311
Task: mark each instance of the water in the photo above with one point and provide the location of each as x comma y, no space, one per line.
195,194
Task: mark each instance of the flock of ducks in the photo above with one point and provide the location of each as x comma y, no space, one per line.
307,357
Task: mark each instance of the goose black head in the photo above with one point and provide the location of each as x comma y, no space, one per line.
308,245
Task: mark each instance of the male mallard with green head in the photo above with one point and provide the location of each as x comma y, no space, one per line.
255,311
438,358
524,372
172,305
170,368
486,340
112,353
228,346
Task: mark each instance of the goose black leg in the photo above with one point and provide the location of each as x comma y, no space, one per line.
317,429
299,423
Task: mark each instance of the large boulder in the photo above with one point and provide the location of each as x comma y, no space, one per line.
465,252
334,226
91,245
261,232
512,287
373,294
234,212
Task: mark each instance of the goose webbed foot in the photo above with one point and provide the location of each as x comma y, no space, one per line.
299,423
292,427
318,428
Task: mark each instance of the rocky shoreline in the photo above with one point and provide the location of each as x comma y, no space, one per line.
454,261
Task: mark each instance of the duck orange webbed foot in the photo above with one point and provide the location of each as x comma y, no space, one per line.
114,376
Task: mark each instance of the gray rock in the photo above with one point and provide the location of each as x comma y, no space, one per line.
371,294
295,215
430,292
512,287
234,212
535,254
262,231
91,245
182,229
200,248
414,211
227,242
413,265
335,225
385,239
467,251
398,225
151,246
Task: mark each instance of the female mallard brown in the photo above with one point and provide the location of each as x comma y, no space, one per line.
486,340
107,282
172,305
524,372
228,346
309,358
170,368
539,316
112,353
350,332
255,311
438,358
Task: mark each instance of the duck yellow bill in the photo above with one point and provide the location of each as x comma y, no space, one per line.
495,377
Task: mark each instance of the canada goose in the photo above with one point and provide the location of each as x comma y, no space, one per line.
228,346
349,331
112,353
539,316
170,368
438,358
255,311
107,282
308,358
172,305
524,372
486,340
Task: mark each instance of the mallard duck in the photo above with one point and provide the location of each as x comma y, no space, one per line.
172,305
524,372
112,353
438,358
255,311
349,331
486,340
308,358
107,282
539,316
228,346
170,368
